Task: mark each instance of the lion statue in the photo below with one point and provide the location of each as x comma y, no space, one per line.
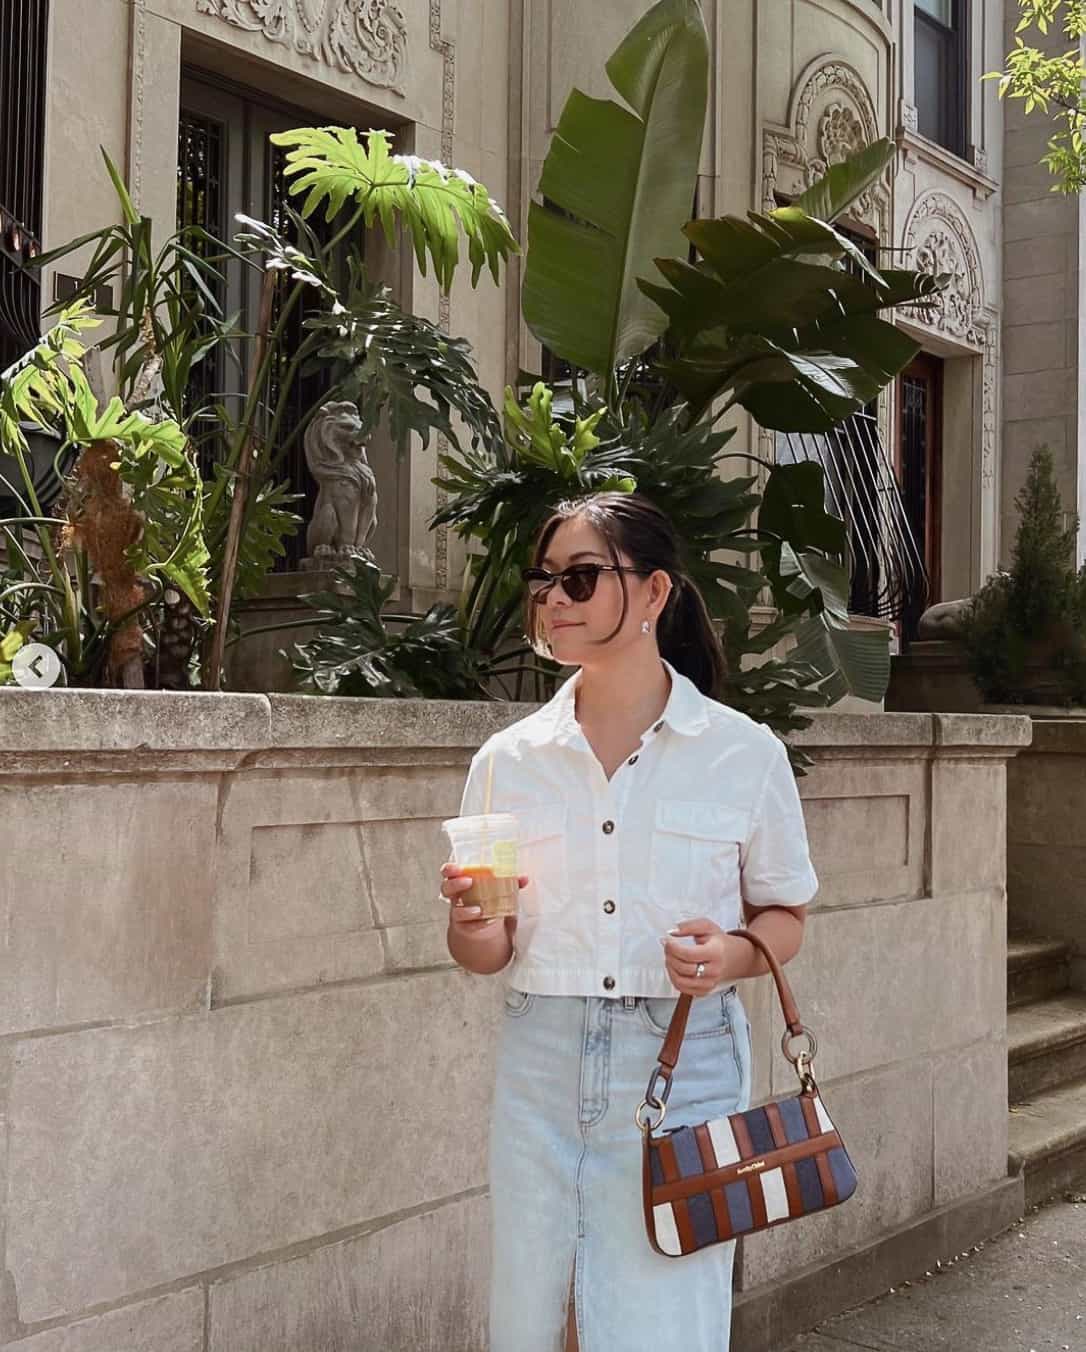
345,515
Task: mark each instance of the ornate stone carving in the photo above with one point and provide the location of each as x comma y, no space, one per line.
945,620
137,97
345,514
367,38
989,403
910,116
940,240
840,133
832,114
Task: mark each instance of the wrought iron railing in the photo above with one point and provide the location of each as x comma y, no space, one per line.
889,579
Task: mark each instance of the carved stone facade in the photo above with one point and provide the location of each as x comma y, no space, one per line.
939,239
831,116
803,84
367,38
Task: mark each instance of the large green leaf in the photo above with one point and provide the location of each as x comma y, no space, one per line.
398,365
794,509
786,233
781,312
617,187
843,183
852,662
786,391
434,202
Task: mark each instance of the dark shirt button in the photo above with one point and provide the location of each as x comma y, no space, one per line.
632,760
609,907
658,727
608,983
608,827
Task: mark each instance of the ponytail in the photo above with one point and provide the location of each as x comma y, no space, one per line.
688,640
632,524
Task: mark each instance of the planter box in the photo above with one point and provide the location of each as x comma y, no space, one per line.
932,677
241,1082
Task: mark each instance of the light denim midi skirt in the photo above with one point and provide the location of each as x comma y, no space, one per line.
565,1173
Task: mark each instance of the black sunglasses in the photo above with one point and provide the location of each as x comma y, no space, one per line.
578,581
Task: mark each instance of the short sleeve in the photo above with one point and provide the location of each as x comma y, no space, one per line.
775,860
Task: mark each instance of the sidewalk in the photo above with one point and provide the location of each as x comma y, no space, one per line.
1023,1291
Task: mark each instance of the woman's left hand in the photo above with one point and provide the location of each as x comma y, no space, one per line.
700,942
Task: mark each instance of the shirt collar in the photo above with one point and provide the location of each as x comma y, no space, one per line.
685,711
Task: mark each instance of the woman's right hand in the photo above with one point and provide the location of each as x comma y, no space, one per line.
469,920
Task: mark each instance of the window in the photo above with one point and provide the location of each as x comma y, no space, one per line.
227,165
23,32
940,62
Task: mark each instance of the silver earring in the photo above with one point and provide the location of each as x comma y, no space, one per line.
646,628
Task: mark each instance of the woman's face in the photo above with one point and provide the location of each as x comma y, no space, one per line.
575,630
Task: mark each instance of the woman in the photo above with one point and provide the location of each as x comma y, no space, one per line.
653,819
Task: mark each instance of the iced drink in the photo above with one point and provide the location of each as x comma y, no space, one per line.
485,847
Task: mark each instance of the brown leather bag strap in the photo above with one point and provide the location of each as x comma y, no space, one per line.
673,1042
789,1008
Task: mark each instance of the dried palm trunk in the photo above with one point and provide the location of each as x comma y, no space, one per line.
177,635
102,520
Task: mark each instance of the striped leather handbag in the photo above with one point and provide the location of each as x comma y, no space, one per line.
747,1172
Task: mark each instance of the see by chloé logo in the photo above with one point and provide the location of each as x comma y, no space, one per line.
750,1168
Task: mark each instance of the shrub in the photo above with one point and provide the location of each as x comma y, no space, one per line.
1025,632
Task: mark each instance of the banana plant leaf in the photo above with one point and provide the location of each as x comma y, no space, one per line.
852,662
844,183
617,187
781,313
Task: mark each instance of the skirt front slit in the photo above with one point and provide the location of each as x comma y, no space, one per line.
565,1173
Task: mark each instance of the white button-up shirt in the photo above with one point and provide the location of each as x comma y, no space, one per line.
702,816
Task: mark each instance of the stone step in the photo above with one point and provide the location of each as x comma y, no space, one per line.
1047,1140
1046,1044
1036,968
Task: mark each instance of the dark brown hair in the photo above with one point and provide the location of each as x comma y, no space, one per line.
632,525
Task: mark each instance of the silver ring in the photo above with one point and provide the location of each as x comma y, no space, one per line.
699,970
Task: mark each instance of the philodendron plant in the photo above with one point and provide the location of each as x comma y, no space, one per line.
132,523
396,366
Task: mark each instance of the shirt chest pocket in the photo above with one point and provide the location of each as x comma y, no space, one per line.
695,854
542,858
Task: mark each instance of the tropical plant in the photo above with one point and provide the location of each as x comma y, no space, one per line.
364,649
1053,84
10,643
617,186
168,320
133,516
498,504
1025,630
780,315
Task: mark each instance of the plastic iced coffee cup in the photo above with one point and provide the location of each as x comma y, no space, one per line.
485,847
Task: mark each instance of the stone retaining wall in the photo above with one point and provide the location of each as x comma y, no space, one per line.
240,1112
